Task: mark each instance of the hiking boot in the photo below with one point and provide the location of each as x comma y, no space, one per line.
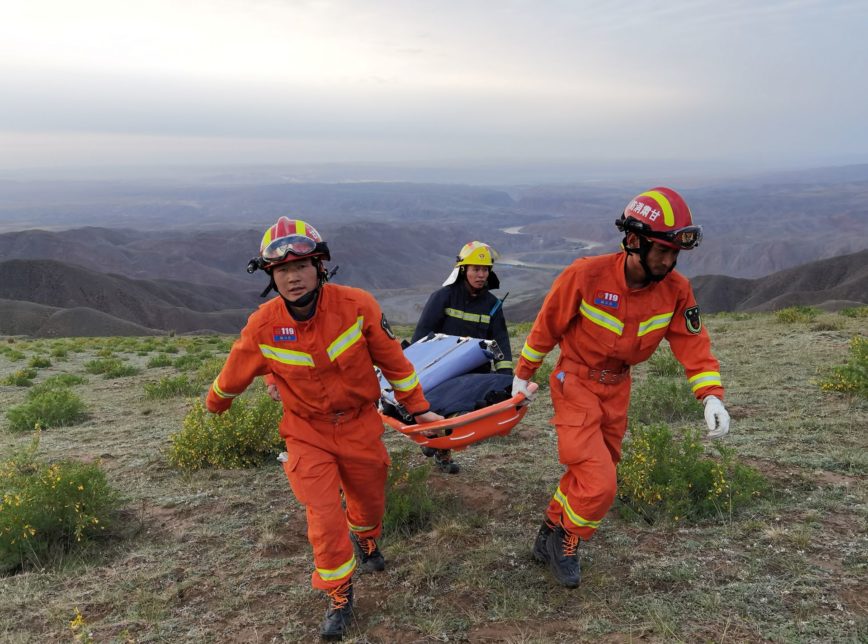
563,557
443,461
339,613
428,452
369,555
539,545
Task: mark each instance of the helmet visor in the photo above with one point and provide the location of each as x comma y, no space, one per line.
281,248
683,238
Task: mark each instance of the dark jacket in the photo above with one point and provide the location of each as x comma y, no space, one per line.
452,310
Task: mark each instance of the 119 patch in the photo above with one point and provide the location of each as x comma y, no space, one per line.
284,334
693,319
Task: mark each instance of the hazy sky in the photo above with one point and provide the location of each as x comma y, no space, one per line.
91,82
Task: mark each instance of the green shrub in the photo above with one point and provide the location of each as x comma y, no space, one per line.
850,378
60,352
797,314
38,362
244,436
20,378
46,408
663,363
14,355
666,477
106,352
159,360
48,510
58,381
209,370
172,387
656,400
188,362
110,367
409,504
855,312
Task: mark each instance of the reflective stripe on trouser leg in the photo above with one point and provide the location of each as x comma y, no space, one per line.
363,474
590,419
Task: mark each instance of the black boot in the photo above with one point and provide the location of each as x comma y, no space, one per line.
369,555
427,452
539,545
562,550
444,462
339,613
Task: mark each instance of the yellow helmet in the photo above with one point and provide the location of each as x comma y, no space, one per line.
476,253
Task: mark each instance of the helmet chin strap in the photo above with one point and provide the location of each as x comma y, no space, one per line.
645,245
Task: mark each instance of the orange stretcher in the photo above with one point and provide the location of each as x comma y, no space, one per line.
460,431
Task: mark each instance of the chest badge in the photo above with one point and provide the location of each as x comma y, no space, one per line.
608,299
284,334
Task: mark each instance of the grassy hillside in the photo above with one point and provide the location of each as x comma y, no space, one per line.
221,555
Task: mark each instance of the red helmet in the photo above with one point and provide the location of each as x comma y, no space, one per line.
286,241
661,214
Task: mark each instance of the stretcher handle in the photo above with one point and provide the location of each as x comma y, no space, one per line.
517,400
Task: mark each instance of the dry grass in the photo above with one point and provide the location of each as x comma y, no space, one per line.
222,555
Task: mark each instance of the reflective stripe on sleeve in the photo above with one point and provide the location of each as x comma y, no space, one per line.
344,570
704,379
346,339
561,499
220,393
467,317
405,384
530,354
652,324
286,356
601,318
503,364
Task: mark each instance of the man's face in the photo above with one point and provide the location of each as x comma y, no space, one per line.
295,279
661,259
477,276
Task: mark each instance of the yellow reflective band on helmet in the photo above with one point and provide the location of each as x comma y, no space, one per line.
346,339
220,393
704,379
407,383
503,364
468,317
530,354
652,324
601,318
340,572
300,227
561,499
286,356
360,528
665,206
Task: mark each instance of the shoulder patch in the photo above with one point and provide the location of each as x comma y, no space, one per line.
385,324
693,319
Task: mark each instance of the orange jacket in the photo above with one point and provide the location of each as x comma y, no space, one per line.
601,323
321,366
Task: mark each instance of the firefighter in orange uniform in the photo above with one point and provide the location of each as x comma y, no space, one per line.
317,344
607,313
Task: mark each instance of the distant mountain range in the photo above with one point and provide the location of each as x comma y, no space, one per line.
51,298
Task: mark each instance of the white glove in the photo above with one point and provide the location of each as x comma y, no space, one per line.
716,416
519,386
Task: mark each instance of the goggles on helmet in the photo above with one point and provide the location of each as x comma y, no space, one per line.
683,238
281,248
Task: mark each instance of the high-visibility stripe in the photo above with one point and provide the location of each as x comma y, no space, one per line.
286,356
704,379
220,393
561,499
503,364
601,318
344,570
405,384
468,317
530,354
652,324
299,228
346,339
361,528
665,206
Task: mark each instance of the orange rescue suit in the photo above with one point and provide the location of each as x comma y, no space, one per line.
324,370
603,327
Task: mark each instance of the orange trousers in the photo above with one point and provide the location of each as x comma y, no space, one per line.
328,458
590,419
